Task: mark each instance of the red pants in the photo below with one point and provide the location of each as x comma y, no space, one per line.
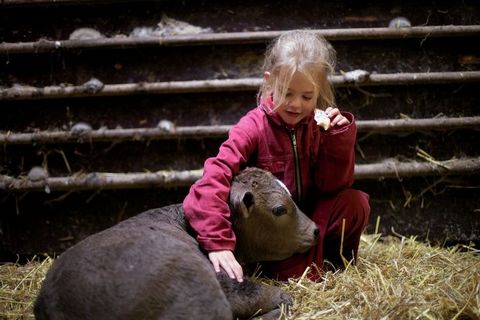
328,213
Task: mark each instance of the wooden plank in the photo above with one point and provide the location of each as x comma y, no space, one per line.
221,131
343,34
389,168
244,84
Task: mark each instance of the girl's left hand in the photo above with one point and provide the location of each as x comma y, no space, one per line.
337,119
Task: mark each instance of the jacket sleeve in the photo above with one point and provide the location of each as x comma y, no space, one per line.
206,205
335,164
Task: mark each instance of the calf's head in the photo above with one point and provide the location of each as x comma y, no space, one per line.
266,221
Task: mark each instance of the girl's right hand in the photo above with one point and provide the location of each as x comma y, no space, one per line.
226,260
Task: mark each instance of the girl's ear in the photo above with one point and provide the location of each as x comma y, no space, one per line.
266,75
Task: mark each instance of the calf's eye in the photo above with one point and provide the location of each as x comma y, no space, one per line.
279,210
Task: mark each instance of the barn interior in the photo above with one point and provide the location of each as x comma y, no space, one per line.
110,108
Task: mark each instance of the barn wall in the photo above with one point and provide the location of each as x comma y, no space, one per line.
428,71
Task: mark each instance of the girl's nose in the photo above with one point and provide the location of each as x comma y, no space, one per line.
294,103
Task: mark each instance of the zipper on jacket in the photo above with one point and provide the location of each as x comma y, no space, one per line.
298,177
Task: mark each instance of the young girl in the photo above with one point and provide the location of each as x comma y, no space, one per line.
282,136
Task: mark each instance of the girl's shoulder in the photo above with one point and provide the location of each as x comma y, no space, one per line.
250,125
254,117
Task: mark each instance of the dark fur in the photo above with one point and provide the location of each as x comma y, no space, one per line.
150,267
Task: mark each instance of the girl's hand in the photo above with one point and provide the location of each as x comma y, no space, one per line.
226,260
336,117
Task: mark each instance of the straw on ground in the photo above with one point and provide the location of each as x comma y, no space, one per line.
395,278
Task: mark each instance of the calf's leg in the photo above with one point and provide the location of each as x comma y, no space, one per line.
250,298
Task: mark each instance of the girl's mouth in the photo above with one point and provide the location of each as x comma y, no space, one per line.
292,114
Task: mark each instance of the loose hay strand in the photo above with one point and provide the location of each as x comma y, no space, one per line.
394,278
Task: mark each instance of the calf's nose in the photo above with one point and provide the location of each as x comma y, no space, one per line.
316,233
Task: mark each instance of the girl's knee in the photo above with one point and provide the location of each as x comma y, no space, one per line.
357,202
350,204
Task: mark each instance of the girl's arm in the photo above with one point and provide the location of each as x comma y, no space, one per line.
206,205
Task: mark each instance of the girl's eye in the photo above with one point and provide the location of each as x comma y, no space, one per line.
307,98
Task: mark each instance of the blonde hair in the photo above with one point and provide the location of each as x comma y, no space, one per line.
304,51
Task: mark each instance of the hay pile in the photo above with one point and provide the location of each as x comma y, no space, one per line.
19,286
394,279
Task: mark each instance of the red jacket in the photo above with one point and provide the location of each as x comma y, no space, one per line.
261,139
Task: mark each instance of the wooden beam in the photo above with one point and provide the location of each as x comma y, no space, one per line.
392,168
221,131
135,134
415,125
389,168
425,32
244,84
103,180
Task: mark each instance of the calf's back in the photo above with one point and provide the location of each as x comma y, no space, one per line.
147,267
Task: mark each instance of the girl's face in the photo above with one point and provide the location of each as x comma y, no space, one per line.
300,100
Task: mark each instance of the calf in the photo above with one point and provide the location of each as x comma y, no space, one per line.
151,267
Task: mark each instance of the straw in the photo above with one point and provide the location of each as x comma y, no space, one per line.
394,278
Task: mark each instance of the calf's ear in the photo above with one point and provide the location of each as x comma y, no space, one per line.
243,203
248,200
